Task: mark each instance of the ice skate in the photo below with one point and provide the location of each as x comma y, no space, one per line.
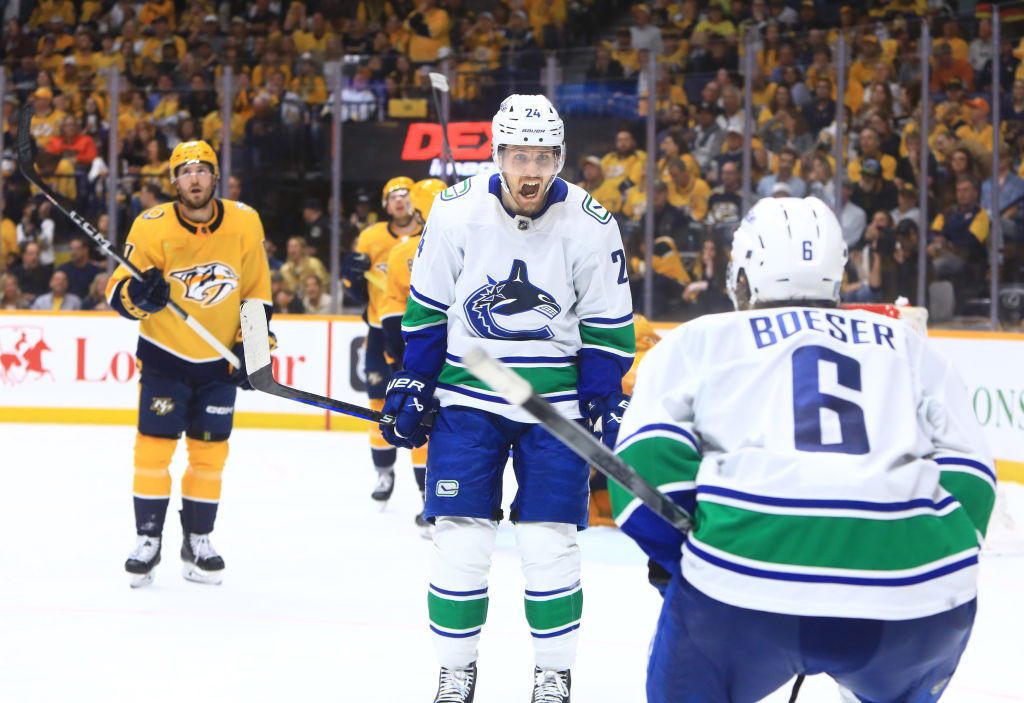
200,561
456,685
550,686
385,485
142,560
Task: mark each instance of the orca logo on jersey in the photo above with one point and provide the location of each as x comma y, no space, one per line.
513,296
208,284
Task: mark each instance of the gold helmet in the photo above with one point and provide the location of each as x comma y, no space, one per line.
423,193
192,153
396,183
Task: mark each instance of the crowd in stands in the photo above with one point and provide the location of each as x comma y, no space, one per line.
287,57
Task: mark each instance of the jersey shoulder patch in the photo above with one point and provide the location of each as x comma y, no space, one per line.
243,207
154,213
596,210
457,190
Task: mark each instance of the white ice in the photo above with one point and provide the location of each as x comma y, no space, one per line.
324,596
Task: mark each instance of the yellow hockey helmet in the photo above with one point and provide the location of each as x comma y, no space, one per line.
396,183
192,153
423,193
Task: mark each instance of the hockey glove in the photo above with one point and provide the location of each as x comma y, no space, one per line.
606,416
353,270
410,399
240,376
150,293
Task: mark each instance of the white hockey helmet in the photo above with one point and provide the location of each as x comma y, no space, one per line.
789,249
527,120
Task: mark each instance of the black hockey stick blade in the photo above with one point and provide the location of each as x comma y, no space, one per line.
259,368
516,390
27,165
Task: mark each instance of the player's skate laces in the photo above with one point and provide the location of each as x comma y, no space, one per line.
550,686
456,685
200,560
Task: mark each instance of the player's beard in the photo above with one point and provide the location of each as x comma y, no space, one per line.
196,200
405,219
518,193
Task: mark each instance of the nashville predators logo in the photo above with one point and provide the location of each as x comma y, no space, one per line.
207,284
161,406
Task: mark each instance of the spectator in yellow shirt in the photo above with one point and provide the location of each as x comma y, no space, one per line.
871,148
951,35
308,84
272,61
428,26
619,164
594,182
978,129
47,10
716,23
152,10
623,51
48,58
863,69
46,119
213,126
686,192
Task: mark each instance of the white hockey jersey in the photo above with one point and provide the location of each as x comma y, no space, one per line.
831,460
548,295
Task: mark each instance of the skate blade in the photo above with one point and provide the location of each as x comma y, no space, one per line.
191,572
140,580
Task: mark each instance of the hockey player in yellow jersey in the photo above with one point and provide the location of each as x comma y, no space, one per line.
396,297
365,274
207,255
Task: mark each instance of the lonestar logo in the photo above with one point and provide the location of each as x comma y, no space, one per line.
21,355
207,284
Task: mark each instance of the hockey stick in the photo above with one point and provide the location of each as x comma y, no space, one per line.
439,84
259,368
516,390
28,167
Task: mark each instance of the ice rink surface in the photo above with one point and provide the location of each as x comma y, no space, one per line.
324,595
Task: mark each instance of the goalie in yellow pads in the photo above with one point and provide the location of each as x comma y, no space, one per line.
207,254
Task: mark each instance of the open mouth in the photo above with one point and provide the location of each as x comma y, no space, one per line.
529,190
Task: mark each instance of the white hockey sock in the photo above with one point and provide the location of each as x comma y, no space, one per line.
457,600
554,597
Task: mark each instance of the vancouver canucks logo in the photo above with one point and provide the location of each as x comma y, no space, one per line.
208,284
515,297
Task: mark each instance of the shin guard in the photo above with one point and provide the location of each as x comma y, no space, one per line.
554,597
457,599
200,486
151,483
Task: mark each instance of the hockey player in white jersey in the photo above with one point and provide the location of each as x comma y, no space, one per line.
532,269
838,479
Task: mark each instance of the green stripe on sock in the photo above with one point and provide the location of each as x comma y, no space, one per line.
456,614
554,613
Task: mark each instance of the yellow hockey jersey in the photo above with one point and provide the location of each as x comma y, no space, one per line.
211,268
377,241
396,290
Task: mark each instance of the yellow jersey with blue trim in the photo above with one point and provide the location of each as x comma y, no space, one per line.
377,241
211,267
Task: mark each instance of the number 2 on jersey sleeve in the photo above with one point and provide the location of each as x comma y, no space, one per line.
808,402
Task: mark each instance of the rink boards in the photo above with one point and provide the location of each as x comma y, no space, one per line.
80,368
